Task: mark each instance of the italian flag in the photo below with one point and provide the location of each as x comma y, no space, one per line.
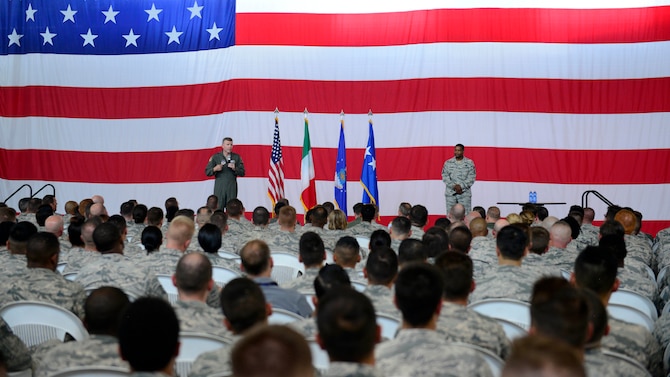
308,195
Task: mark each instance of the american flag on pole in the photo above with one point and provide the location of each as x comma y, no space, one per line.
130,98
276,172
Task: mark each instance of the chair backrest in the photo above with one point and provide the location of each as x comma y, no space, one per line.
632,315
21,373
286,267
61,267
565,274
308,297
282,317
511,329
222,275
320,359
389,325
492,360
635,301
359,286
661,276
666,358
36,322
71,276
363,242
643,372
170,289
329,257
225,254
192,345
515,311
93,371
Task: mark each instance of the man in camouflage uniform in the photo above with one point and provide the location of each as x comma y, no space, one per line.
418,350
80,257
244,306
381,270
458,175
482,248
193,279
457,322
103,310
285,238
348,331
367,224
347,255
41,282
13,350
115,269
14,259
312,255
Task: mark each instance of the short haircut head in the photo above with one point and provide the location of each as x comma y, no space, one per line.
151,238
149,334
272,350
379,238
478,227
243,304
480,210
347,325
347,250
418,215
404,208
511,241
330,276
74,230
154,216
119,222
596,269
319,216
542,213
418,293
193,273
181,229
493,213
127,209
436,241
209,238
220,219
411,250
460,238
106,237
612,211
358,207
617,246
311,249
19,235
287,216
443,223
41,247
103,309
255,257
401,226
540,356
7,214
539,239
234,207
559,310
186,212
611,228
43,212
260,216
382,266
368,212
5,227
457,269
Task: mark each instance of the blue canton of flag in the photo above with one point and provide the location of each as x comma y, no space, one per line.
369,171
341,173
119,27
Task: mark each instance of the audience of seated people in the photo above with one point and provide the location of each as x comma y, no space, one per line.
477,257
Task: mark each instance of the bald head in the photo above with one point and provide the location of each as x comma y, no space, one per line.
478,227
498,225
54,224
560,235
457,212
98,209
193,274
98,199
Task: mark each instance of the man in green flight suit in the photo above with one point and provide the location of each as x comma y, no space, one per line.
225,166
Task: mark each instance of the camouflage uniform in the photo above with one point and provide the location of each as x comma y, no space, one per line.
13,264
461,324
634,341
506,281
197,316
601,365
364,229
355,275
306,327
305,283
382,299
560,258
662,330
41,284
641,284
29,217
638,248
239,226
484,249
13,350
119,271
79,258
425,353
417,233
97,350
346,369
279,240
461,172
217,361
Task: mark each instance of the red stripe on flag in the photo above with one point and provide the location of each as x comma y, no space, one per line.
456,25
393,164
435,94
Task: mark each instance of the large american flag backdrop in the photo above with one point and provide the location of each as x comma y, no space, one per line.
129,98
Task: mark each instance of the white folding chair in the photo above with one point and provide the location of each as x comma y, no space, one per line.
329,257
225,254
511,329
320,359
492,360
632,315
363,242
21,373
661,276
666,358
282,317
36,322
71,276
359,286
389,325
222,275
642,371
93,371
192,345
309,297
170,289
515,311
61,267
635,301
286,267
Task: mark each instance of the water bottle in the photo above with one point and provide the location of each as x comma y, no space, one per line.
534,197
530,197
